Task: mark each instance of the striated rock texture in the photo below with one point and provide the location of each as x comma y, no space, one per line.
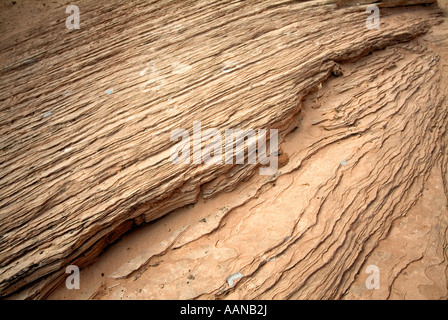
353,194
86,118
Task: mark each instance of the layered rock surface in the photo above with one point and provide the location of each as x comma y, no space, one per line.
85,137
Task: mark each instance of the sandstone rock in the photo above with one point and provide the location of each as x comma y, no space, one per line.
80,166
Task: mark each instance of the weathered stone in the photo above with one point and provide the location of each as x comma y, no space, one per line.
80,166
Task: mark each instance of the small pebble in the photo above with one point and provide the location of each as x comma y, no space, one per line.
47,114
226,69
233,277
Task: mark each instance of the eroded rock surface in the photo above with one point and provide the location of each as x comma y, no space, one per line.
85,137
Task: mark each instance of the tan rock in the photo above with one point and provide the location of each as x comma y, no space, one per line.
85,133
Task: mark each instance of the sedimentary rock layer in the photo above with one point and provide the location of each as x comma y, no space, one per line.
86,117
